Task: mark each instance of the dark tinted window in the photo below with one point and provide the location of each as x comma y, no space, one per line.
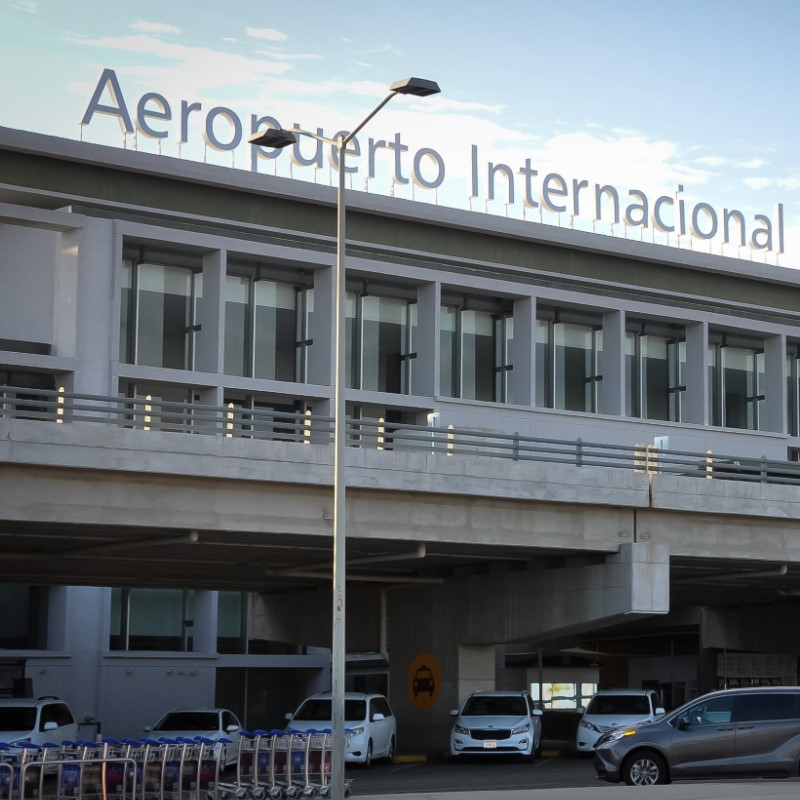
489,706
319,710
713,711
766,706
189,721
619,705
55,712
17,719
380,706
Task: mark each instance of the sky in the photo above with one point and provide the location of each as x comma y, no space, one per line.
690,100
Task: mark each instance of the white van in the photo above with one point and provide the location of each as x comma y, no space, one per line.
40,720
612,708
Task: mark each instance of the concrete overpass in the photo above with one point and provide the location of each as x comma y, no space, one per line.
446,555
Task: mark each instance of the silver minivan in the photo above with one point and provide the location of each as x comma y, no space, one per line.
733,733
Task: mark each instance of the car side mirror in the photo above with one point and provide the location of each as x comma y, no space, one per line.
683,722
231,729
377,716
147,728
50,726
537,712
453,712
287,716
660,712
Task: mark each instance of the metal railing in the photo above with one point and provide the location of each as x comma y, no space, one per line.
152,414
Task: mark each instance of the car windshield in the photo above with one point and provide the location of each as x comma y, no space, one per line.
495,707
17,719
319,710
189,721
618,705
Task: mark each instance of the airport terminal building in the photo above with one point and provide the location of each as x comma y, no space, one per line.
572,458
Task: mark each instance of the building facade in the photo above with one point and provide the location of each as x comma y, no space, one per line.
145,299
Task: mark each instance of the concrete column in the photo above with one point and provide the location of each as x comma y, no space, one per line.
425,368
522,354
205,622
695,402
321,352
775,400
611,395
87,278
476,669
209,355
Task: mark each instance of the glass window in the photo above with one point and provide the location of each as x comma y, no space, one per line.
385,341
654,373
754,707
475,352
714,711
577,350
544,368
237,325
380,335
792,395
164,316
126,348
231,622
151,619
23,622
449,353
266,325
274,332
477,356
504,344
736,386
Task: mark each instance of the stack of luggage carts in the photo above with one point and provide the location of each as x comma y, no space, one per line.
269,764
281,764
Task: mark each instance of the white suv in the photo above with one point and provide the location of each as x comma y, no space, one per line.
613,708
496,723
40,720
368,720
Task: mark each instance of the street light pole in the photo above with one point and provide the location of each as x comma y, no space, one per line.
279,138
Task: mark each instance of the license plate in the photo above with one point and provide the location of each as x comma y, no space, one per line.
490,745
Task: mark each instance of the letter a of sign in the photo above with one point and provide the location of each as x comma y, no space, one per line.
120,110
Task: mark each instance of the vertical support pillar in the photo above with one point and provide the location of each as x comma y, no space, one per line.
426,344
695,406
612,365
775,400
522,354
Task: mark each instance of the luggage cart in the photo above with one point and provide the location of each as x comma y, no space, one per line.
211,756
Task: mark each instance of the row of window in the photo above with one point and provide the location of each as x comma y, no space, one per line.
269,332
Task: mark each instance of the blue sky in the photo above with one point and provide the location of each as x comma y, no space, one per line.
644,95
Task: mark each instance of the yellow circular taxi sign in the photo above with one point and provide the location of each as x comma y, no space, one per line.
423,680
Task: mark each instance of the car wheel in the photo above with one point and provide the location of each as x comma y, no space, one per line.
645,768
390,754
368,757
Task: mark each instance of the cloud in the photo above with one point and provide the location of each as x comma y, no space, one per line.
25,6
266,34
790,183
154,27
711,161
754,163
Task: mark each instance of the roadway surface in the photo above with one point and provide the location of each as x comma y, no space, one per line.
564,778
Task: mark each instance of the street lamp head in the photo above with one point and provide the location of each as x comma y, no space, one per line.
419,87
273,137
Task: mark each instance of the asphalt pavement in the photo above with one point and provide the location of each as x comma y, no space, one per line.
751,790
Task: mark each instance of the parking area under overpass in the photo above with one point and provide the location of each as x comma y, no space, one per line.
446,554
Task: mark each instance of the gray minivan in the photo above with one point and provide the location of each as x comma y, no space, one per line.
753,732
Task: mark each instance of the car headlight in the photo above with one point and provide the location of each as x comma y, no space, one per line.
524,728
590,726
461,729
357,731
621,733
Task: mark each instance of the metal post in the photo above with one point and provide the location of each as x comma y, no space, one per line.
339,498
